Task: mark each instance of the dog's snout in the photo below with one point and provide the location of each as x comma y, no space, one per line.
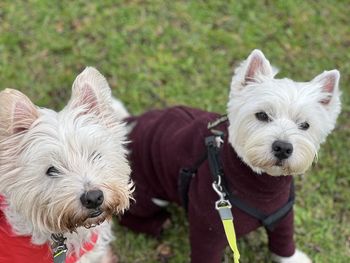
282,150
92,199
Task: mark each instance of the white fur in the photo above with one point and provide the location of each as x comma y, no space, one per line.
288,103
85,143
120,109
298,257
160,202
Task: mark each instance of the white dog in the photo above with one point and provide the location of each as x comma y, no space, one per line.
301,113
274,127
62,174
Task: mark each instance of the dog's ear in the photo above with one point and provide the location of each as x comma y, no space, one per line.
254,69
91,91
17,112
257,65
328,81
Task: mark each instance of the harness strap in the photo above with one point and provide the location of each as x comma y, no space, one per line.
223,205
213,150
187,173
268,221
216,169
185,177
246,208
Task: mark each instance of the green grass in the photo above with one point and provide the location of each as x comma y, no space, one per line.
157,53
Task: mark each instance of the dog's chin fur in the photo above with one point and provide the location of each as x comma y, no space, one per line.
288,104
85,142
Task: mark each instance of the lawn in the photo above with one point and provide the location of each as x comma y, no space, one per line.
161,53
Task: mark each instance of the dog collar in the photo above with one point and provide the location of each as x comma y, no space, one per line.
87,246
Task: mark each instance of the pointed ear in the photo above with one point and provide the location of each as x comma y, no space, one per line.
257,65
253,70
328,82
17,112
91,91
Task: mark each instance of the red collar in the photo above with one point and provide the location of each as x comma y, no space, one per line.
87,246
18,249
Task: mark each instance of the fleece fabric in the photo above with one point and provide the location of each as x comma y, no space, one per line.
164,141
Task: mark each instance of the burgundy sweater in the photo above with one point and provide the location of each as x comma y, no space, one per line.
164,141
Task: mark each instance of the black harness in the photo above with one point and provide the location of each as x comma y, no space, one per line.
213,155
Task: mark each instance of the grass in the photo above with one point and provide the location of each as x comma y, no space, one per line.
159,53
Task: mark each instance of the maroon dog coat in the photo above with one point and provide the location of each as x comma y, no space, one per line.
163,142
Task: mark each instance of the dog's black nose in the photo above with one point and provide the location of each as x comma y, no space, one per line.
92,199
282,150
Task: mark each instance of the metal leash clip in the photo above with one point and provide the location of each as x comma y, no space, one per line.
223,202
59,248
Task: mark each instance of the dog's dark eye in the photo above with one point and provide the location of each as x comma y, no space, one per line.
96,156
52,171
262,116
304,126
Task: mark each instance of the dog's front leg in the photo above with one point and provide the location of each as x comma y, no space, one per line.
281,242
206,240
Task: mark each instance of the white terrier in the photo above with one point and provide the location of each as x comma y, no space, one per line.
277,125
301,114
62,174
274,125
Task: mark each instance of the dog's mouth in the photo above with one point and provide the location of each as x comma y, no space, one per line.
279,163
95,218
95,213
282,167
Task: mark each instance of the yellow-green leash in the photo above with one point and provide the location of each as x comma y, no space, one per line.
223,206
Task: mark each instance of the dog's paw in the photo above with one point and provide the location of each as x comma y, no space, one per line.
298,257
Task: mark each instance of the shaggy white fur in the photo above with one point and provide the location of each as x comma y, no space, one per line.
49,159
288,105
298,257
